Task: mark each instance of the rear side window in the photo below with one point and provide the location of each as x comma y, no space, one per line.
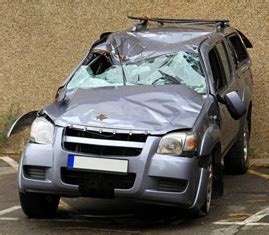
238,47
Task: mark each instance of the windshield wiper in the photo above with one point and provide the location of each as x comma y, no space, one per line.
122,69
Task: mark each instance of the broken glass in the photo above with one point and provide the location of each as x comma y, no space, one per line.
181,68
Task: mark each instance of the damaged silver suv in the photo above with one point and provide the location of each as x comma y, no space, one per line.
150,114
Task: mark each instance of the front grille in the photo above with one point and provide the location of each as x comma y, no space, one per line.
95,179
105,135
172,185
35,172
103,148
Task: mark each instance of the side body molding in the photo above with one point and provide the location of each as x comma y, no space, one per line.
22,122
211,136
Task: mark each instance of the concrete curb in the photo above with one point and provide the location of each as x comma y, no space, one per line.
259,162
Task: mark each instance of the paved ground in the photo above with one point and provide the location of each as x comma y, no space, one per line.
244,209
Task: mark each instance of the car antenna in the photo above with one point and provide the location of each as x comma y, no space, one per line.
121,64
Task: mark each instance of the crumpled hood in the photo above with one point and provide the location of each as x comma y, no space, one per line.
141,108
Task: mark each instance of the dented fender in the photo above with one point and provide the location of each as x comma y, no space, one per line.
211,136
22,122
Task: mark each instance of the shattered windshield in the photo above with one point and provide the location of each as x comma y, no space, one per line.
181,68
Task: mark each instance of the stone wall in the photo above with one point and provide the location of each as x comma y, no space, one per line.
42,41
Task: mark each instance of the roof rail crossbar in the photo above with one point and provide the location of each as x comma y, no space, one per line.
216,22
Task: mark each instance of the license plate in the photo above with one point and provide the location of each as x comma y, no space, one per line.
97,164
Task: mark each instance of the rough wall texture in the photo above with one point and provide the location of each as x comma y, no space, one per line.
42,41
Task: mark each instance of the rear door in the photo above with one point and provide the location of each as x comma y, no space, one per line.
224,82
241,59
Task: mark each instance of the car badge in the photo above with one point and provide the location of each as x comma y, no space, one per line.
101,117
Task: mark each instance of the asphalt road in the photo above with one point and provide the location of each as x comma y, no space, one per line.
244,209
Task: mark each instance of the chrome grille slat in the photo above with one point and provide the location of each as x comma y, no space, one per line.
103,142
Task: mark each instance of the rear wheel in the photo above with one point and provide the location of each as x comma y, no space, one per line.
237,159
39,205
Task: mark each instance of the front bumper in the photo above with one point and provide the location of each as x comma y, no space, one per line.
149,168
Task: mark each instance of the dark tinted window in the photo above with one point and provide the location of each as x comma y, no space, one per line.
217,69
239,48
224,59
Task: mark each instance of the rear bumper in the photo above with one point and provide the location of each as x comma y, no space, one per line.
158,179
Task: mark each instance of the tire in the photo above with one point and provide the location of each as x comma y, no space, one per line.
237,159
214,186
217,181
38,205
206,206
204,209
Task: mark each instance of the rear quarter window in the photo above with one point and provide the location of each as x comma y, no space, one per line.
238,48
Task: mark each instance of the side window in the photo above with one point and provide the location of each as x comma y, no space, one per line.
217,69
224,59
238,47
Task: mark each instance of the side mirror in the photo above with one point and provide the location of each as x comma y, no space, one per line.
235,105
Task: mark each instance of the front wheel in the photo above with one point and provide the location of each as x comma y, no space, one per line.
206,206
39,205
204,209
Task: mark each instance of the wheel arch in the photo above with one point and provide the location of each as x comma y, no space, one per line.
210,139
249,113
216,153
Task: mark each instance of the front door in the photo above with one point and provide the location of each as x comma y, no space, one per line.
224,83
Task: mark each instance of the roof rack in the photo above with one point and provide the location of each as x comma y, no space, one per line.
144,21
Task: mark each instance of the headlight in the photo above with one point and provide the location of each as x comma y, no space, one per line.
177,143
42,131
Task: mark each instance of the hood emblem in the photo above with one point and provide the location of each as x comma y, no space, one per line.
101,117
